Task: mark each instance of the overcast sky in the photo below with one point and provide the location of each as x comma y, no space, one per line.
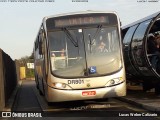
20,21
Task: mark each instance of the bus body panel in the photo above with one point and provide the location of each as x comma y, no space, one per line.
79,88
101,91
82,83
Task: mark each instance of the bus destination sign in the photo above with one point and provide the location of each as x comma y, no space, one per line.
81,21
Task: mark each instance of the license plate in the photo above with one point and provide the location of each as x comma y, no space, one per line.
88,93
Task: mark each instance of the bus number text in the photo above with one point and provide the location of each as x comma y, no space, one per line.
75,81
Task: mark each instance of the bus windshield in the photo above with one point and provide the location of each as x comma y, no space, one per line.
80,52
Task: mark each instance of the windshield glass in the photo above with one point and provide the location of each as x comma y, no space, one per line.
85,52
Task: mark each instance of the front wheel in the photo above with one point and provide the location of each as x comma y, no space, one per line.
40,92
37,83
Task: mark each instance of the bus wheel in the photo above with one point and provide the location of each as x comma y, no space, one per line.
40,92
37,83
37,86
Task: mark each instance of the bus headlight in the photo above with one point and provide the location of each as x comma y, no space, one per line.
60,86
114,81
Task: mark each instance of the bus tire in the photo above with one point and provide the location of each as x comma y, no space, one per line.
40,92
37,86
37,83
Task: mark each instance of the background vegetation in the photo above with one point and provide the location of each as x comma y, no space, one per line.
23,63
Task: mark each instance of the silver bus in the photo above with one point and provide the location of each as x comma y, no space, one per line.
78,56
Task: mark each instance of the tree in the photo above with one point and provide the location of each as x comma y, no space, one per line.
32,56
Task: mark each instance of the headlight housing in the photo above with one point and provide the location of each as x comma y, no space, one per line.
114,81
61,86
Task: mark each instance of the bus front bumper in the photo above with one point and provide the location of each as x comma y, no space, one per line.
56,95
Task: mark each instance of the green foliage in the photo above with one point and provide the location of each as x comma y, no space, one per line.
29,73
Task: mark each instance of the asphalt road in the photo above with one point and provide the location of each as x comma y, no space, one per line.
29,100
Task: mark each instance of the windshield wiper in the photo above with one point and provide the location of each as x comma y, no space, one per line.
90,43
66,31
95,36
97,32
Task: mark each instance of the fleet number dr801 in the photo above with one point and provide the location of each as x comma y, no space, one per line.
75,81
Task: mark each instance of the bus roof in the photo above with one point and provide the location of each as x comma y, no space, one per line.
76,13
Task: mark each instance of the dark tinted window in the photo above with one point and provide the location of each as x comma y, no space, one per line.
128,37
137,42
139,34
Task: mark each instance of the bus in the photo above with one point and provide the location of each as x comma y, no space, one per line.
140,67
78,56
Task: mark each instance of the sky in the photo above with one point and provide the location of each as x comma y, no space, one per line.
20,20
